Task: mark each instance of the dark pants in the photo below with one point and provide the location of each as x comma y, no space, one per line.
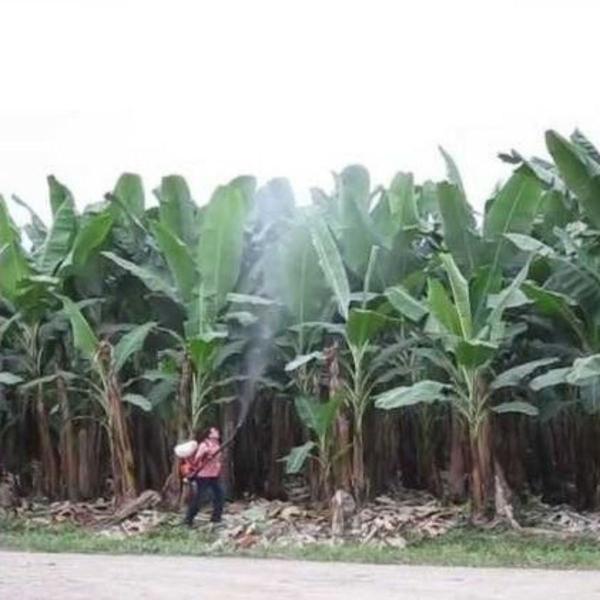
200,484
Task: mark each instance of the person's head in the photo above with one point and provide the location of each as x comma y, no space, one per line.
210,433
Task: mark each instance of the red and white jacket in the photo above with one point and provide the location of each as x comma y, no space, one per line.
202,464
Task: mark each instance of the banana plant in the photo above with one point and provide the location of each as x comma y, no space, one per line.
466,350
393,219
561,212
29,369
569,297
202,250
486,256
30,281
61,257
359,331
374,245
103,386
568,291
319,418
194,266
288,273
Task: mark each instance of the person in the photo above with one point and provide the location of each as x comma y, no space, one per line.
203,471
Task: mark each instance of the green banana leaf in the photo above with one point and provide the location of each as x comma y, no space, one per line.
515,376
9,232
59,240
129,191
363,325
550,379
298,455
581,174
460,292
331,263
177,209
474,353
406,304
301,360
154,281
425,391
442,308
131,343
401,197
84,338
90,236
221,243
179,260
294,278
459,226
139,401
14,269
59,193
317,416
514,208
452,171
349,217
7,378
517,406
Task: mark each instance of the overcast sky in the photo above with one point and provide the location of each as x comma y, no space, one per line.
298,88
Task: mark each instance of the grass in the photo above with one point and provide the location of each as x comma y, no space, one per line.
460,547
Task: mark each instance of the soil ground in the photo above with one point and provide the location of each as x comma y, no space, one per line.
30,576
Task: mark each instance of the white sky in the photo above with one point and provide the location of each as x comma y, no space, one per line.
213,89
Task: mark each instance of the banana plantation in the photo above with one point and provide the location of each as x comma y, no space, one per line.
380,336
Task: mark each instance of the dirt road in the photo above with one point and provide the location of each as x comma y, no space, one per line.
69,577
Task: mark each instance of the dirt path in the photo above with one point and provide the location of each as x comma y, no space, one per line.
70,576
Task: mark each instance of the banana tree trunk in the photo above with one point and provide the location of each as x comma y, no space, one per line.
184,396
228,431
342,467
482,471
586,464
491,493
325,483
281,435
172,491
68,444
512,449
90,445
477,480
160,454
359,483
141,454
458,463
123,466
47,458
429,472
85,470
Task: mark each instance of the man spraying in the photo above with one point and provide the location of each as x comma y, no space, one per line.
202,469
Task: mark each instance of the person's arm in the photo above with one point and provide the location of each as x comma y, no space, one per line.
186,468
199,458
201,452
